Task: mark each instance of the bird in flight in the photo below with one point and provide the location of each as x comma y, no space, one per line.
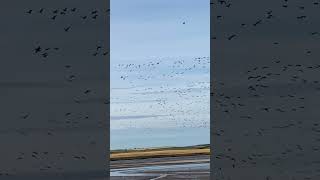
67,29
38,49
45,55
258,22
25,116
87,91
231,37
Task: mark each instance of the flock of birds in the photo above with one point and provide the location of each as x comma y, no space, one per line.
186,99
44,52
266,123
44,159
55,14
268,16
261,78
69,120
179,101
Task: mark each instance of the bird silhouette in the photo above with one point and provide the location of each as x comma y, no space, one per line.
231,37
37,49
95,16
54,17
67,29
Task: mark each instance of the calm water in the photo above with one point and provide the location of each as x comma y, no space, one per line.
145,138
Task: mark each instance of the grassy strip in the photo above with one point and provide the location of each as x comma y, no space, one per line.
159,152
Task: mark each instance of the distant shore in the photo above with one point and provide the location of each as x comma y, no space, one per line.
146,153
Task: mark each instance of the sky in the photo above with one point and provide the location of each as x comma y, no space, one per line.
159,71
144,28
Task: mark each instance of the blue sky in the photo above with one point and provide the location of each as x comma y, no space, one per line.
147,28
159,71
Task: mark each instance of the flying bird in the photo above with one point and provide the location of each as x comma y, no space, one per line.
67,28
37,49
231,37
